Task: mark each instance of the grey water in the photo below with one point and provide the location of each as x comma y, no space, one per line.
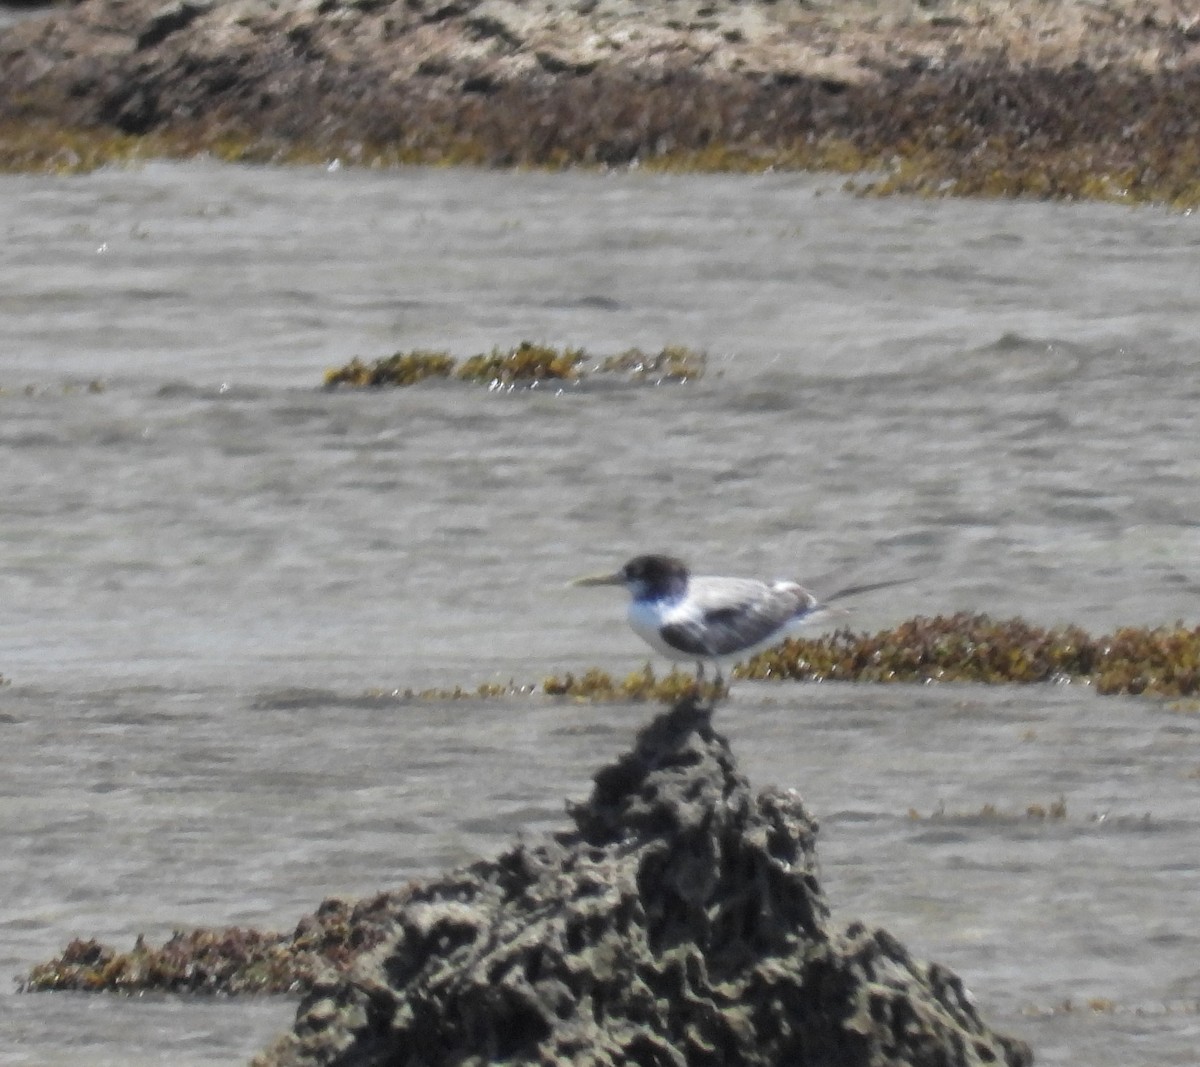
218,580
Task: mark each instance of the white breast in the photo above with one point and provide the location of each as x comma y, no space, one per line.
647,617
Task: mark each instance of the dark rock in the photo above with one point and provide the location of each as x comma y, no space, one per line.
454,9
169,19
497,19
559,63
131,109
680,922
483,84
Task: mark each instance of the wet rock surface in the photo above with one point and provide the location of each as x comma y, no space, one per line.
146,62
962,96
679,922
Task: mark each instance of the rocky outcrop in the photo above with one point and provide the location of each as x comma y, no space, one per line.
931,96
680,922
311,68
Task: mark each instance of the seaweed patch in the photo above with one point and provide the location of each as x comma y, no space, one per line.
1164,661
524,365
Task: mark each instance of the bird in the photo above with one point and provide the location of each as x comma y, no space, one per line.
707,618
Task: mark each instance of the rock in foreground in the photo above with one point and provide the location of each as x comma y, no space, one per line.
680,922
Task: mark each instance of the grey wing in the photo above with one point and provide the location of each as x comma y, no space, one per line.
736,614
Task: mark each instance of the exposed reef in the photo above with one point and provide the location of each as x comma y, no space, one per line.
229,960
1081,98
678,921
526,364
1164,661
1161,661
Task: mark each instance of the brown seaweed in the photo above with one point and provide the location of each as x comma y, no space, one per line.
525,364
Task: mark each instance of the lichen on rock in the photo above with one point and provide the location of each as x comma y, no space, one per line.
680,921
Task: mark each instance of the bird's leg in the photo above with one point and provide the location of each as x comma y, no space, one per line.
720,679
699,672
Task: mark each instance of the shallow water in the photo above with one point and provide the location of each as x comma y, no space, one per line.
213,570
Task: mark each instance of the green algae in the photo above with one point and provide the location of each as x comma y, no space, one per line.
526,364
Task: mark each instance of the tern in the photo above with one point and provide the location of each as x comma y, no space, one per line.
707,618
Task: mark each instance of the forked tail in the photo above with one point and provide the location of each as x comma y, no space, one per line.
870,587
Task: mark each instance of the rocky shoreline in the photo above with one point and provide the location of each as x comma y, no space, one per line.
679,920
1080,98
